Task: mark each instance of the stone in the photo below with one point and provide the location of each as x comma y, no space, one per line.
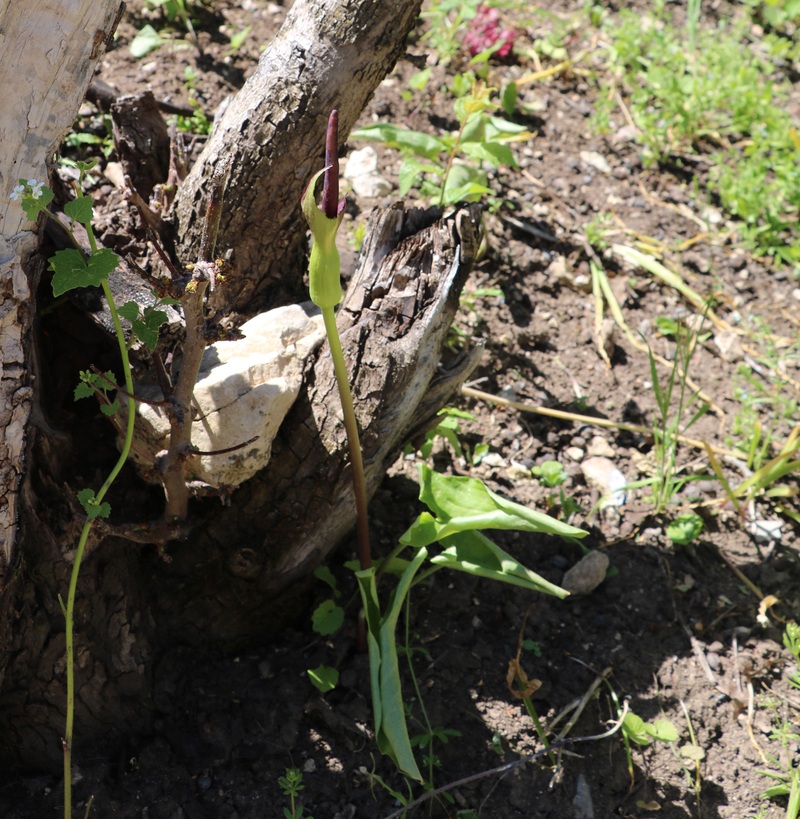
587,574
601,474
244,389
361,171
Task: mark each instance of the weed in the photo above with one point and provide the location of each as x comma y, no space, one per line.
685,529
791,640
551,474
449,168
718,97
291,783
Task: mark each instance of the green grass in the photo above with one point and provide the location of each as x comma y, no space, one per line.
721,106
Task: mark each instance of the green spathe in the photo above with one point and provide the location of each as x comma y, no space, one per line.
324,268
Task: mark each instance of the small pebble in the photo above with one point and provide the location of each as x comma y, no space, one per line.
204,782
587,574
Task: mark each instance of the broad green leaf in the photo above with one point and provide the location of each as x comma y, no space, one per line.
662,729
495,153
508,98
475,554
80,210
129,311
323,678
327,618
109,409
422,144
462,503
71,270
147,40
391,731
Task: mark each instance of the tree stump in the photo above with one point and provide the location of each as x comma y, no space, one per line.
232,581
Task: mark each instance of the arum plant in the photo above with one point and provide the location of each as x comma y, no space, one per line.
458,506
324,282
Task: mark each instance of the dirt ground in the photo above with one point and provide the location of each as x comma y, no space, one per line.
673,630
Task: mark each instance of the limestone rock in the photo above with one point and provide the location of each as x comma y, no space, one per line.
587,574
244,389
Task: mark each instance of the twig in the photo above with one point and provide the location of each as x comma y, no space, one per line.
587,419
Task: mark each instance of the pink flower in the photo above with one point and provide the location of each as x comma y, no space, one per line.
485,32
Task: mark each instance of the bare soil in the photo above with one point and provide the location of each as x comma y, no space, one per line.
673,629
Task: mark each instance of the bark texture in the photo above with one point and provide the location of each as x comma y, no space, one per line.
328,54
48,52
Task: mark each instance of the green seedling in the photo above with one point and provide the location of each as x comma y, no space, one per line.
551,474
72,269
685,529
291,783
791,640
449,168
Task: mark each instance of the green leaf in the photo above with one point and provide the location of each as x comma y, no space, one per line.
508,98
633,726
685,529
402,138
109,409
662,729
495,153
391,731
462,503
92,508
473,553
71,270
323,678
147,40
147,330
80,210
324,574
83,390
129,311
327,618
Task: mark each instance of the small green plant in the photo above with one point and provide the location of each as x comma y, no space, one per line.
673,401
718,97
791,640
785,773
448,169
551,475
685,529
72,269
291,783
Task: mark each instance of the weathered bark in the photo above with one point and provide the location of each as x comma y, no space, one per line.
48,52
328,54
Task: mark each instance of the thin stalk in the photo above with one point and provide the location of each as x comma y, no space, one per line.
351,427
69,610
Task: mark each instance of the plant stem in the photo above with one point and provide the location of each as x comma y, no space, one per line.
537,724
69,610
351,427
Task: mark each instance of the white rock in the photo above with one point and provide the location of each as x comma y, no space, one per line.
600,446
361,170
596,160
729,344
766,531
244,389
601,474
575,453
587,574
